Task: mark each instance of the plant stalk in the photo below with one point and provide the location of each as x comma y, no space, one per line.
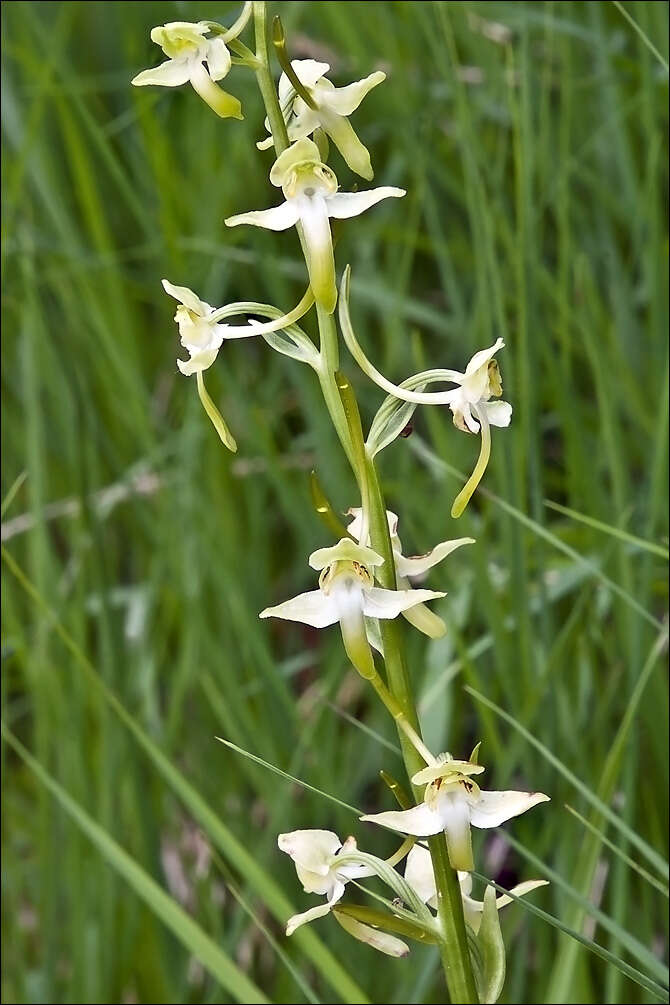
453,948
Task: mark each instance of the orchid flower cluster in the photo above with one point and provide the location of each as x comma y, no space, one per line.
365,580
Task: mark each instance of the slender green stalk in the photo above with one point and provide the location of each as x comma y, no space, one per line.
398,697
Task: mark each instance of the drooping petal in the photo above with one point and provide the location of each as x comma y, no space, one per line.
214,415
172,73
381,941
201,360
420,876
380,603
278,218
426,621
345,100
416,565
225,105
186,297
314,608
499,413
320,911
218,58
455,814
320,260
344,205
490,809
421,820
342,133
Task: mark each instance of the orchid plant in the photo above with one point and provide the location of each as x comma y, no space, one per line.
365,579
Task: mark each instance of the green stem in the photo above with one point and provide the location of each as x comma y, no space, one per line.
265,81
454,951
454,948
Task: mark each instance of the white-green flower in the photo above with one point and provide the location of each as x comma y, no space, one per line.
188,50
200,333
347,594
452,803
420,876
411,567
317,856
310,188
480,382
331,104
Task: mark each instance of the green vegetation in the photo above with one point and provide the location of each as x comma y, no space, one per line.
531,138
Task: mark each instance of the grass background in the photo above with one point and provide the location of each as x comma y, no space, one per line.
532,140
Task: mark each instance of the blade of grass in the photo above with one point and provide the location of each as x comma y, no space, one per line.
189,933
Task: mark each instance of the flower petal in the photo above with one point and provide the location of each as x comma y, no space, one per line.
426,621
379,603
499,413
186,297
345,550
312,849
344,205
314,212
320,911
278,218
416,565
199,361
356,525
172,73
303,150
420,876
490,809
520,890
345,100
381,941
218,58
314,608
455,814
421,820
445,767
225,105
308,71
482,357
342,133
